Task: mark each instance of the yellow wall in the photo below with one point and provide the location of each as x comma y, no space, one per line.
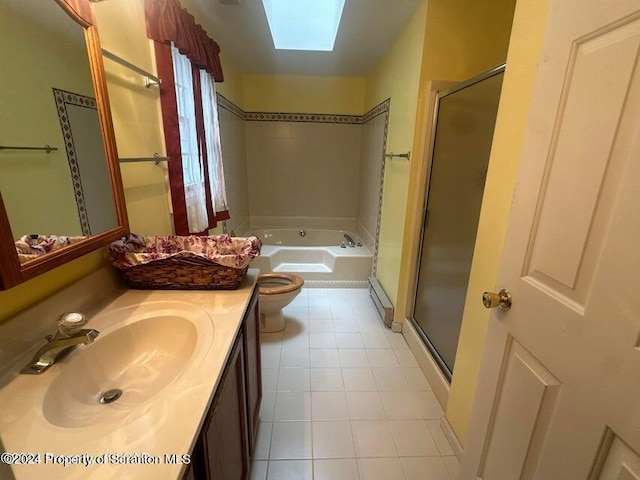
524,49
36,186
25,294
136,115
304,94
397,76
232,88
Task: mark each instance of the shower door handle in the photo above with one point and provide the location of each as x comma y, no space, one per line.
501,299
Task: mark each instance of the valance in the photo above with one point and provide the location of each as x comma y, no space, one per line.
168,22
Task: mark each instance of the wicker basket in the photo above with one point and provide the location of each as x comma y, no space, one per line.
183,270
183,273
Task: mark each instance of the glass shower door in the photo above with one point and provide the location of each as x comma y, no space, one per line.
465,122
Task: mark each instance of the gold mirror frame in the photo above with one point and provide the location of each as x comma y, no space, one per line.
12,272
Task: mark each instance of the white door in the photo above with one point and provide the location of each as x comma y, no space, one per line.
559,387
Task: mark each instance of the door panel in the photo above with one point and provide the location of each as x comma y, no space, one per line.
572,263
464,131
528,392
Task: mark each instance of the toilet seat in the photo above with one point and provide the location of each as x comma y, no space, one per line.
288,283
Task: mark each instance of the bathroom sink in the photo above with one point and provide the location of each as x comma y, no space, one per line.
129,364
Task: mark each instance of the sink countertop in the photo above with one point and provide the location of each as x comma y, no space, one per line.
166,424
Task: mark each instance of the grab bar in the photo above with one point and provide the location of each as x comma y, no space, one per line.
46,148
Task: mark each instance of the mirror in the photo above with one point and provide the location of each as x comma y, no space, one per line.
59,178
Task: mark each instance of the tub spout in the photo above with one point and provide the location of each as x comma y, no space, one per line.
350,241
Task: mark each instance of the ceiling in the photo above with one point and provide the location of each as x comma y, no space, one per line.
368,28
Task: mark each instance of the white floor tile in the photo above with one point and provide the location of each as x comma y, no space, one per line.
390,380
322,340
345,326
439,437
365,406
295,325
321,326
375,340
381,469
270,359
329,406
400,405
269,379
295,357
295,340
332,440
397,341
326,380
263,441
406,359
353,357
296,311
425,468
336,469
294,380
349,340
413,439
358,379
258,470
429,405
291,440
370,325
324,358
372,438
381,358
267,406
453,466
292,406
290,470
337,384
416,379
319,312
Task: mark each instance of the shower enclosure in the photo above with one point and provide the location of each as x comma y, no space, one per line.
463,131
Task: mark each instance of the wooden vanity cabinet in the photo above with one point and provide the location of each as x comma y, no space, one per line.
251,333
227,438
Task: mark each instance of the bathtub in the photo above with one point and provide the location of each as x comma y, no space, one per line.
317,256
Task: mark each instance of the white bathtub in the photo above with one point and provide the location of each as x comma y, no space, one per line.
317,256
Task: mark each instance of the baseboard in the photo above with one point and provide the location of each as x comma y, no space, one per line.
428,365
456,446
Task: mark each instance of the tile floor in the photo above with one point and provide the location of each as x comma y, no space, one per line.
344,398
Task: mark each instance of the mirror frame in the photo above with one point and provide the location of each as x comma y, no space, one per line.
12,272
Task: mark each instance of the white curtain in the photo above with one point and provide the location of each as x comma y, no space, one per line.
192,171
212,140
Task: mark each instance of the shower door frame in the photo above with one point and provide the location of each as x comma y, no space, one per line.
420,239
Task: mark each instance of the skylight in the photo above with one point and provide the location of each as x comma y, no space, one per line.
304,24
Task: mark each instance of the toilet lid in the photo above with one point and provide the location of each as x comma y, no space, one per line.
278,283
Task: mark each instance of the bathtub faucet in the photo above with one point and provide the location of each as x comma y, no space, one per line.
303,233
350,241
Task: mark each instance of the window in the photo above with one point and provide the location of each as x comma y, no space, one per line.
189,65
304,24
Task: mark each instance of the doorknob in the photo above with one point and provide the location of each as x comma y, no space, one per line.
501,299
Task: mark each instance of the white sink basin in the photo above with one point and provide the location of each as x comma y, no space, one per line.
139,356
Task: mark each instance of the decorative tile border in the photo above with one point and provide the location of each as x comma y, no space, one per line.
303,117
228,105
62,99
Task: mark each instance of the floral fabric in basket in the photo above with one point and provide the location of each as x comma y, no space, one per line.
233,252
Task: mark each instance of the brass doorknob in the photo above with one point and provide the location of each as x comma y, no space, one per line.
501,299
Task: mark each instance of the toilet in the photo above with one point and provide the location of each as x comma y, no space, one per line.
277,290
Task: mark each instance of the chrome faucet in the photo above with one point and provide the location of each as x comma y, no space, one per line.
65,339
350,241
